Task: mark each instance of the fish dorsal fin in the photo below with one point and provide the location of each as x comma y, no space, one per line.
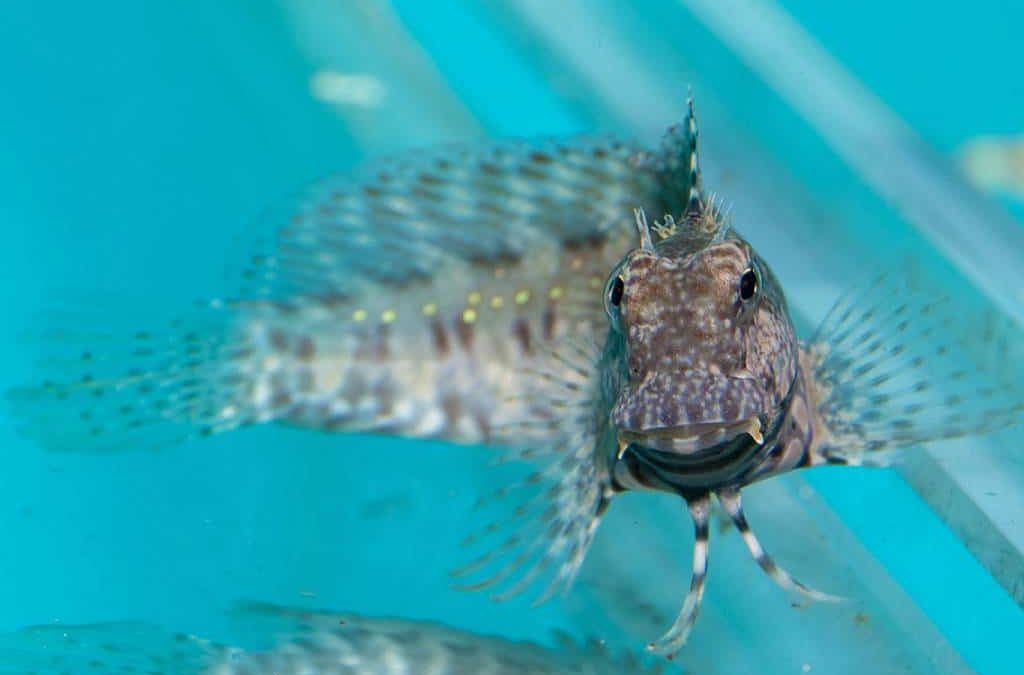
701,217
399,220
678,163
695,198
895,365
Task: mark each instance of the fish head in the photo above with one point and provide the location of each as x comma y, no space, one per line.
706,347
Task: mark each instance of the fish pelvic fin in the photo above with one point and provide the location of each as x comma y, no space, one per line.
730,500
556,510
675,638
893,366
672,641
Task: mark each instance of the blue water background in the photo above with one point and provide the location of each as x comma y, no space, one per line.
142,141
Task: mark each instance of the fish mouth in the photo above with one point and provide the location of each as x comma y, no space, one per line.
689,460
691,439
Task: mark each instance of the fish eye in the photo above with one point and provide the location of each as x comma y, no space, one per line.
748,284
615,292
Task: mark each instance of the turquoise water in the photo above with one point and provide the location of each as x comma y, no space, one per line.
142,144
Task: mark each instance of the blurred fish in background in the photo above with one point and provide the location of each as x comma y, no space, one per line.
304,642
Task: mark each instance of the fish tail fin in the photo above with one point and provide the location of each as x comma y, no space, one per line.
893,366
673,640
119,647
732,503
146,388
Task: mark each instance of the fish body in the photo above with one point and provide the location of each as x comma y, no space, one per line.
306,642
517,295
443,358
410,298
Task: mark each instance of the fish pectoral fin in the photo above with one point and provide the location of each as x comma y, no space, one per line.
548,533
731,502
674,639
896,364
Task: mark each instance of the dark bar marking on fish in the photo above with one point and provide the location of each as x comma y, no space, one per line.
384,393
439,338
382,342
521,332
305,348
532,173
429,179
452,407
364,348
483,423
464,332
490,168
280,399
354,386
504,258
304,380
593,240
548,321
540,157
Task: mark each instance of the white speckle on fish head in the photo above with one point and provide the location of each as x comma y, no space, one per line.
707,337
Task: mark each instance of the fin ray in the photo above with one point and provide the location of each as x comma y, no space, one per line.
549,529
397,220
147,389
892,368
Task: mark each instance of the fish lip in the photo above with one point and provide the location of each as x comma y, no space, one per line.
691,438
691,460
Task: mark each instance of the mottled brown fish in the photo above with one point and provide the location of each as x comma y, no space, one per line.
306,643
499,295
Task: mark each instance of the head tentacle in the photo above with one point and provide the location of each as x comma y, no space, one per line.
646,244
